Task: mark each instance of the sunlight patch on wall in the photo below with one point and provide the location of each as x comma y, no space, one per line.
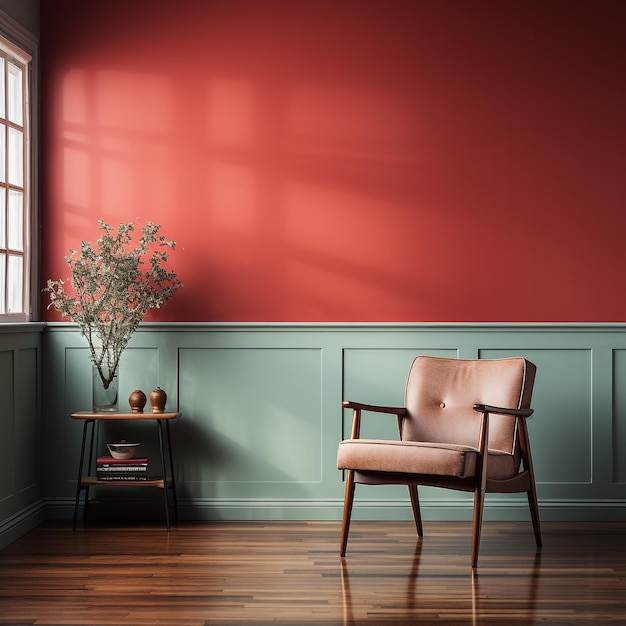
77,187
231,113
232,197
75,97
156,188
115,143
134,102
116,181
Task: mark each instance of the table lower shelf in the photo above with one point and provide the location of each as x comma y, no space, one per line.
92,481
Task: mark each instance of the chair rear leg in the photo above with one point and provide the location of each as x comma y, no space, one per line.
532,487
415,505
479,501
534,513
347,511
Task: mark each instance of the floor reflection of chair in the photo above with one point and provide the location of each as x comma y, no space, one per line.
348,615
511,593
348,612
508,587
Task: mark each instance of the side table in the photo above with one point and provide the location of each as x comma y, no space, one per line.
165,482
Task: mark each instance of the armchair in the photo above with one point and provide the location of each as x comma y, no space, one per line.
463,427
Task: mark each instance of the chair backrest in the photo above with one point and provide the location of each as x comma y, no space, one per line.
441,393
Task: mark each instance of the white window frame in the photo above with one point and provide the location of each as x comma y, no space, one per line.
21,47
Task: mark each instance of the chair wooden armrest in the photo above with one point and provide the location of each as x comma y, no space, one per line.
487,408
358,406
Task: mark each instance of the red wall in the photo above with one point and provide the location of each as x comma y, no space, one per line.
349,160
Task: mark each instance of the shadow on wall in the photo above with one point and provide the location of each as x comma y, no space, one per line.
212,466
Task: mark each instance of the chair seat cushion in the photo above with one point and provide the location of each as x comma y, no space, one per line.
418,457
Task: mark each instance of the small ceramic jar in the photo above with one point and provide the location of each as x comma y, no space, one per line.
158,398
137,401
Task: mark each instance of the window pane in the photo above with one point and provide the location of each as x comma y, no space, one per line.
15,94
3,213
16,210
16,157
3,152
16,279
3,265
2,112
16,220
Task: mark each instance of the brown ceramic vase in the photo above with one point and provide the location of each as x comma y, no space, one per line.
158,398
137,401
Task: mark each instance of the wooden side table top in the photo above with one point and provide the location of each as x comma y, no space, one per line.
89,415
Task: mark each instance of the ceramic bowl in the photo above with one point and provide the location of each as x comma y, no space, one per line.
122,450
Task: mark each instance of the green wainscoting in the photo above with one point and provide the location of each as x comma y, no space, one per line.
262,415
21,496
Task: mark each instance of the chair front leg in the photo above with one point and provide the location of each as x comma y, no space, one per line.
415,505
479,502
347,511
481,486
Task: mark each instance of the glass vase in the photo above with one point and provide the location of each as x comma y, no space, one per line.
105,400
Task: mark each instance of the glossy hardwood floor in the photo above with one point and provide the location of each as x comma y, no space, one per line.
290,573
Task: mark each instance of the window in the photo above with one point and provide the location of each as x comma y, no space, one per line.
16,186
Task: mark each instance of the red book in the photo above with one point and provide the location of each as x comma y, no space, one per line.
109,460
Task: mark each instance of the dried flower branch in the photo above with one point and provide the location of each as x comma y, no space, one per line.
114,285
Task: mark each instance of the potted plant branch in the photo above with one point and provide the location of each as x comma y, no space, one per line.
112,286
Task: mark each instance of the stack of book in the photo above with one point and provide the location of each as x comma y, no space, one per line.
133,469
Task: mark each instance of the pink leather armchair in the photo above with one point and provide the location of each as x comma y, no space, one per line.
463,427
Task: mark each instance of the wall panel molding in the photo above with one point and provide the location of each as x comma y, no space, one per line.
262,413
21,485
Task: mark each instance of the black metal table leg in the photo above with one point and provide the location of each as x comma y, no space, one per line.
80,469
169,449
94,425
164,475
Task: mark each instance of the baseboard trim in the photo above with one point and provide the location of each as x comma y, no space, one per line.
22,522
264,509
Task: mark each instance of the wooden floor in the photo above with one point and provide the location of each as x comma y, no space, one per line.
290,573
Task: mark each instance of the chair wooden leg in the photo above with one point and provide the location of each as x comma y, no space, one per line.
415,505
347,511
532,490
534,513
479,501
